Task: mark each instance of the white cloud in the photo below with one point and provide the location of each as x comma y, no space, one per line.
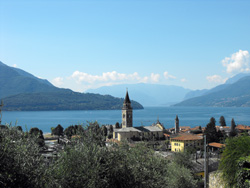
155,77
113,77
15,65
216,79
105,77
168,76
57,81
238,62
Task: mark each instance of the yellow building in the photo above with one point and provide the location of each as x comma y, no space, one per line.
184,141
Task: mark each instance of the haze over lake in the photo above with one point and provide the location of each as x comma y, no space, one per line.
189,116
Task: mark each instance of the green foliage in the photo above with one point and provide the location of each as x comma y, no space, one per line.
73,130
21,164
243,172
183,159
233,131
222,121
86,162
236,148
211,132
64,100
89,165
58,130
38,135
52,128
179,177
104,130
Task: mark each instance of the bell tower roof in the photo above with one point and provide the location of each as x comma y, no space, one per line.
127,100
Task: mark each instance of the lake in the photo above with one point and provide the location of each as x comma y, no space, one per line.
188,116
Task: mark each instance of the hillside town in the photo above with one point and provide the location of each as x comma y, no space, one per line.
205,145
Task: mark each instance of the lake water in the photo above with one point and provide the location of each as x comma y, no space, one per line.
188,116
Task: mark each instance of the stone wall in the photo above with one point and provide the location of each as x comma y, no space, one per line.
215,180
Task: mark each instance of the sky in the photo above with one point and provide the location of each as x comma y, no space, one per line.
83,44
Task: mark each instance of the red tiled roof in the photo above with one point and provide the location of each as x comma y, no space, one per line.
216,145
187,137
242,127
185,127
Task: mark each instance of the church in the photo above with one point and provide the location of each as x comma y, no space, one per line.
130,133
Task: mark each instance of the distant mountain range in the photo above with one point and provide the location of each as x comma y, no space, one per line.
197,93
21,90
234,93
146,94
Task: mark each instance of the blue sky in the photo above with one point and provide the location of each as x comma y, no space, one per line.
88,44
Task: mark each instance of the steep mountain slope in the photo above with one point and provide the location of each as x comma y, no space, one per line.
146,94
232,95
23,91
14,81
198,93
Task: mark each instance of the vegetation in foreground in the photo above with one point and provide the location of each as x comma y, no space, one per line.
235,162
87,163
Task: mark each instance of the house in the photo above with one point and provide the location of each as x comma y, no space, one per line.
186,140
243,128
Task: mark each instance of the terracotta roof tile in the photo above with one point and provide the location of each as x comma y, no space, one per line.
242,127
187,137
217,145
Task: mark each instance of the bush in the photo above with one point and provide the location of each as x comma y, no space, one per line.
20,161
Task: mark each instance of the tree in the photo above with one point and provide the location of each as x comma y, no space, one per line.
111,129
236,148
38,134
19,128
211,132
52,129
117,125
222,121
104,130
20,160
58,130
89,165
232,130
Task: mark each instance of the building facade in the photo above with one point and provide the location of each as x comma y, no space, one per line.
184,141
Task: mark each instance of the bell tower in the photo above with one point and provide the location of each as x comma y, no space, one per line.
177,128
127,112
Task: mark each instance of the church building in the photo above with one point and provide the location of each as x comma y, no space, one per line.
128,132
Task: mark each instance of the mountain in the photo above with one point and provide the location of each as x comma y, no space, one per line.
237,78
236,94
146,94
197,93
21,90
15,81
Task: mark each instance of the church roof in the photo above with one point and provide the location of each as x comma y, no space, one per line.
139,129
127,100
